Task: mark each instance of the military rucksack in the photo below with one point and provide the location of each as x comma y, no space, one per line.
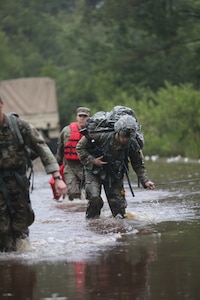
104,122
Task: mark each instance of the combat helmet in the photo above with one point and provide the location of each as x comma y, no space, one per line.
126,126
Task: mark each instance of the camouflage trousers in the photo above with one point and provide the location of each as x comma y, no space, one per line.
114,193
16,213
73,172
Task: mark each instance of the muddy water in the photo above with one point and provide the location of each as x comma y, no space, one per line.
154,254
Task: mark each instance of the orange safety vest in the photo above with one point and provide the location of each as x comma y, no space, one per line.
70,146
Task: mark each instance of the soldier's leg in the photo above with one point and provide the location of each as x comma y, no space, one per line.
73,190
23,215
6,239
73,181
116,199
93,195
22,219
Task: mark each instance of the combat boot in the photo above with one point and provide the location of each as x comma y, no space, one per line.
7,243
92,212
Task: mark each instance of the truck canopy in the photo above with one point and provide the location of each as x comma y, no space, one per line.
34,100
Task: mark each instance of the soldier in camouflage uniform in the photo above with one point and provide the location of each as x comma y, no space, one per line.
16,213
105,157
66,153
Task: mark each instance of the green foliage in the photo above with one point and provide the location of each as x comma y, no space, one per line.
9,62
171,121
142,54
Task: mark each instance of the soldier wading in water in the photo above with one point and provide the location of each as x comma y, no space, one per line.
66,153
16,213
105,158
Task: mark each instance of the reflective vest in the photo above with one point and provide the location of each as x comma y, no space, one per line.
70,146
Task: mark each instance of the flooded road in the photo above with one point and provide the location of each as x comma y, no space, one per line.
154,254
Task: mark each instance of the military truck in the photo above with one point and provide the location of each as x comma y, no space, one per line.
34,100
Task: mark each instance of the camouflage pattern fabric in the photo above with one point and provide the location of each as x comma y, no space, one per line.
12,155
16,213
16,217
114,194
73,172
115,153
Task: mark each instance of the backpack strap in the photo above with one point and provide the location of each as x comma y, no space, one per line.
12,122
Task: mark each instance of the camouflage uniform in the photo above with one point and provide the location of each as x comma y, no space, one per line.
16,213
109,176
73,169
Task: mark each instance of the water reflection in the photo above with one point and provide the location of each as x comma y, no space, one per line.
121,274
79,275
17,280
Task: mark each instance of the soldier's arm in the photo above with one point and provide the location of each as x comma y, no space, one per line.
82,150
34,140
137,162
63,138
